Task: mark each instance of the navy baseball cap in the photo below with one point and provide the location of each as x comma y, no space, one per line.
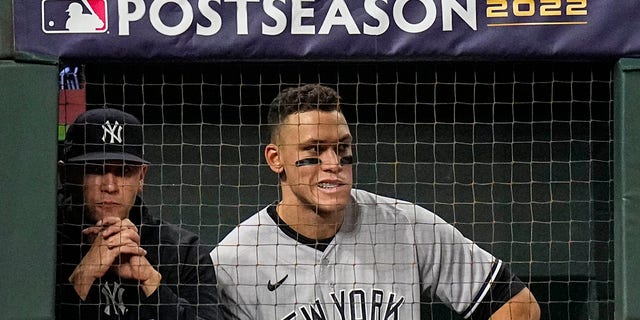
104,135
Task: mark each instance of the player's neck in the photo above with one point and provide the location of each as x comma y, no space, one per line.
310,222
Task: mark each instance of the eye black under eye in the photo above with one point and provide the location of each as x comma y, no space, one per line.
307,162
314,161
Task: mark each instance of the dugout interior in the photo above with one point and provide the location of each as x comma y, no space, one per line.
518,156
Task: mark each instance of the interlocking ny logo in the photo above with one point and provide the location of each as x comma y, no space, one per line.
114,299
114,131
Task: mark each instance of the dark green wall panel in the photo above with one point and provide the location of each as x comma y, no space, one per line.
627,188
6,29
28,111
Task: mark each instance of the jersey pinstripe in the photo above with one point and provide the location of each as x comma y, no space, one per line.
376,267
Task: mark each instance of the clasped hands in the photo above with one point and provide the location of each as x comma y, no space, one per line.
115,246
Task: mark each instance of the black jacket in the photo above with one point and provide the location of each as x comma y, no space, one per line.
187,290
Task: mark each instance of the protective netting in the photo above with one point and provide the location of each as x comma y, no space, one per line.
518,156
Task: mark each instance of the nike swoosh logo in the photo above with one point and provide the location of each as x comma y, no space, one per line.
273,286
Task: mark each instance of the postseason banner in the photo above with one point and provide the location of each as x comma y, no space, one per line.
197,30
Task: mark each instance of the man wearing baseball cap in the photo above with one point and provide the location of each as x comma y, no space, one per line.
115,260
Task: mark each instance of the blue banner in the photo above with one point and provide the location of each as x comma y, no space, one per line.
204,30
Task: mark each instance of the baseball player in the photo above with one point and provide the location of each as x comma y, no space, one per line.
328,251
116,260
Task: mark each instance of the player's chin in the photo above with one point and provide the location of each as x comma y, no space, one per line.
333,203
331,207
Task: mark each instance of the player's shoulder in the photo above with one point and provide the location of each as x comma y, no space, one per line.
367,198
246,232
247,235
384,208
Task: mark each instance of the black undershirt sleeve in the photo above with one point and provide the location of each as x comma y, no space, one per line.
505,286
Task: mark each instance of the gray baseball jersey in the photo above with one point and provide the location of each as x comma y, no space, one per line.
386,253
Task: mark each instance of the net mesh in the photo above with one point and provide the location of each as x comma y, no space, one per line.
517,156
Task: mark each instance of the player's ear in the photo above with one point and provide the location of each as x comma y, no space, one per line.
143,172
272,154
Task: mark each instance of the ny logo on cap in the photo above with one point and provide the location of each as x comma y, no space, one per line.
114,131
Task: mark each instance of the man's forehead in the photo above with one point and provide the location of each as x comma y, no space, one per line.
321,128
318,133
319,121
315,127
315,117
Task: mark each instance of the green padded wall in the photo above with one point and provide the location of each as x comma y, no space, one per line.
627,188
6,29
28,111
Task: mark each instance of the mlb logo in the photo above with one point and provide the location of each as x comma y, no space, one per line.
74,16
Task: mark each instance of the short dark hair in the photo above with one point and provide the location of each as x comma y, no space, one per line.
301,99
